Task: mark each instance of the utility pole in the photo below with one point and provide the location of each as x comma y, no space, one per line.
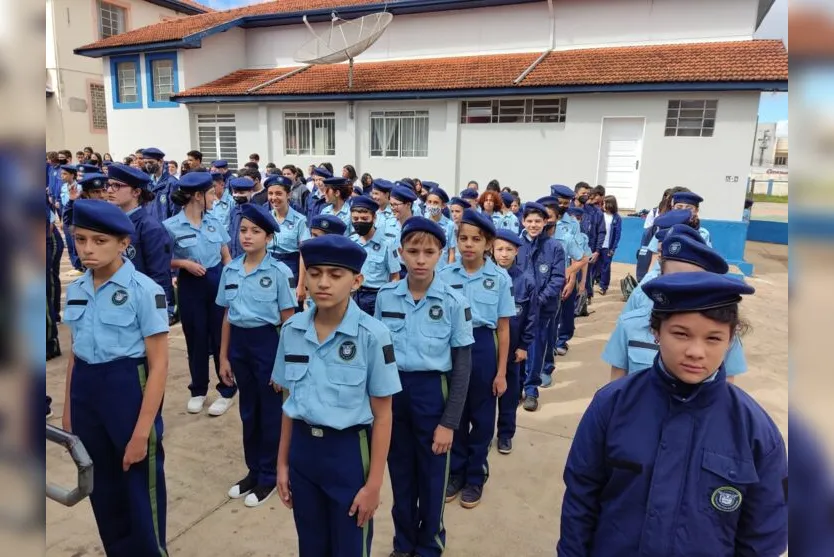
764,143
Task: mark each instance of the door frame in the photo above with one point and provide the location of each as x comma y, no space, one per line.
599,146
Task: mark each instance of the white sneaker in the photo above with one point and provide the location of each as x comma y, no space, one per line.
195,404
259,496
219,406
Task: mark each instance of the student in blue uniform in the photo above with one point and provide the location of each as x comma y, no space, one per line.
337,368
322,225
489,291
579,214
434,373
222,166
381,194
456,207
225,202
242,191
522,332
687,200
255,289
316,201
54,252
200,251
436,202
592,225
542,257
337,192
613,224
673,460
630,347
70,190
150,245
162,184
286,241
382,264
508,220
402,203
470,195
116,374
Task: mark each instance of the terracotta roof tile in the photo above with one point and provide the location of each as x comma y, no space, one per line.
181,28
707,62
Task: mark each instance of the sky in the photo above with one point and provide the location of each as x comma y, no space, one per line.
772,108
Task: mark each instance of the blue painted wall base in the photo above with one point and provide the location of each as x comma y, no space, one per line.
770,232
727,237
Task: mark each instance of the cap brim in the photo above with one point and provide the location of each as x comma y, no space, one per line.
716,305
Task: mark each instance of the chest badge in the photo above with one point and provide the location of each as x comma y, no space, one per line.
347,351
119,297
376,247
436,312
660,298
674,248
266,282
163,198
518,308
489,283
289,225
726,499
211,228
324,225
130,252
544,267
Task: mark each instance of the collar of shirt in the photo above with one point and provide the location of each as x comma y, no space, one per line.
349,325
292,215
121,277
133,210
182,220
435,289
237,264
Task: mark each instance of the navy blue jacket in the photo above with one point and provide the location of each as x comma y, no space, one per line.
235,215
315,205
161,207
150,250
594,227
660,468
616,232
544,259
523,325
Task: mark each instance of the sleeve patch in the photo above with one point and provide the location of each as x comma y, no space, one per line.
293,282
161,302
467,313
388,353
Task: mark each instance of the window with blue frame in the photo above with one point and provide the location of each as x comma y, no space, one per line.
161,76
126,82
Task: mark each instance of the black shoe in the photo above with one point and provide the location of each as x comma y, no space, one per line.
453,488
470,497
400,554
243,487
531,404
259,495
505,446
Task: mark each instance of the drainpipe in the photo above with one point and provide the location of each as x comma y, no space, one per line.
526,72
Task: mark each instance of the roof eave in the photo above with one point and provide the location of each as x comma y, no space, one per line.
188,42
178,7
778,85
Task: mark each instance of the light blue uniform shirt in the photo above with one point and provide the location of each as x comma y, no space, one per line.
113,321
65,192
222,209
202,244
383,216
653,243
382,260
567,235
631,346
638,298
582,240
342,214
448,227
392,231
330,383
417,208
507,221
424,332
257,298
293,231
489,291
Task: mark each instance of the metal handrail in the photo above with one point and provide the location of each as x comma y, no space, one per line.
74,446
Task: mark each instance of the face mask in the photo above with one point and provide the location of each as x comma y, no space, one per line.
180,198
362,228
583,199
152,167
241,199
433,211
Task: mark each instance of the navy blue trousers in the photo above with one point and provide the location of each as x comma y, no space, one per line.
129,507
252,355
54,253
418,476
477,423
538,352
566,320
202,322
508,402
605,269
365,298
552,334
593,272
327,469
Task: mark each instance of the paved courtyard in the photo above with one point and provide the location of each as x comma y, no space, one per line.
519,514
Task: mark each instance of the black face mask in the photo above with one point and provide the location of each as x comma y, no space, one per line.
583,199
241,199
362,228
179,197
152,168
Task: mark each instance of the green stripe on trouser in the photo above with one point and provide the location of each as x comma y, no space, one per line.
143,379
365,451
444,388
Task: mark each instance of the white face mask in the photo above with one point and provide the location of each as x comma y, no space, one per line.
433,211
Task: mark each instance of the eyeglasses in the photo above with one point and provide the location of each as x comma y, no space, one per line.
113,185
396,204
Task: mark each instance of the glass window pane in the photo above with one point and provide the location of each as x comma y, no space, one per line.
163,79
674,104
692,104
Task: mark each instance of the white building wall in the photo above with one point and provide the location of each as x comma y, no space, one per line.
345,129
526,28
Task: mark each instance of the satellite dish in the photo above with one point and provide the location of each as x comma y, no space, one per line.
345,41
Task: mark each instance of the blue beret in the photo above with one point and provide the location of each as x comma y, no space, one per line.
429,185
322,171
509,236
337,182
330,224
277,180
459,202
195,181
507,198
681,247
422,224
479,220
106,163
671,218
260,217
684,229
364,202
220,163
217,175
576,211
687,197
548,201
70,168
128,175
558,190
408,184
241,183
93,181
441,193
383,185
358,190
469,193
335,251
152,153
535,207
101,216
88,168
404,194
698,291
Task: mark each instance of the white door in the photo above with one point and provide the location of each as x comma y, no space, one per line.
619,158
